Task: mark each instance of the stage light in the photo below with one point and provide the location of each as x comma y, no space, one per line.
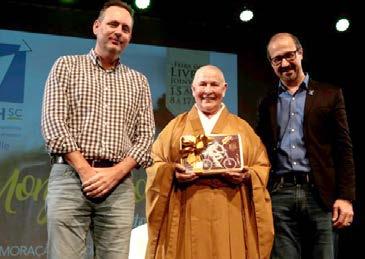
142,4
342,24
67,2
246,15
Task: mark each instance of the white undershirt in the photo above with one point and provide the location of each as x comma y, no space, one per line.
209,123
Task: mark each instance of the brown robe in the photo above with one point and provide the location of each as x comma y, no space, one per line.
200,222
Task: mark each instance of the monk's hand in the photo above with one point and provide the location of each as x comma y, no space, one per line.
182,175
237,177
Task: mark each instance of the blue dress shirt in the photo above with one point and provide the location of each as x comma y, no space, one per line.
290,114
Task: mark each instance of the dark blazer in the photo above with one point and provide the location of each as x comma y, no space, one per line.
326,137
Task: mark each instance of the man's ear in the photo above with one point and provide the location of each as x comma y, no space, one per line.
225,90
96,26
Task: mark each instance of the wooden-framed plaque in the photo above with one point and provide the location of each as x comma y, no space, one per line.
211,154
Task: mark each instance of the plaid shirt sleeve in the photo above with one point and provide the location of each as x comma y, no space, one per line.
54,110
145,129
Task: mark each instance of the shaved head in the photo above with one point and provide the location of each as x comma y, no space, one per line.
209,88
209,69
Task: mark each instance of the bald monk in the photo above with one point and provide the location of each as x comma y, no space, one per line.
220,216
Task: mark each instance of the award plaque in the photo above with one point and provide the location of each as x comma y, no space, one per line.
211,154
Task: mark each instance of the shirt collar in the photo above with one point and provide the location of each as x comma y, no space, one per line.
96,59
218,113
303,85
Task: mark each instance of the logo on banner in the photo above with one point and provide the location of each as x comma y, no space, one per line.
11,113
181,67
12,72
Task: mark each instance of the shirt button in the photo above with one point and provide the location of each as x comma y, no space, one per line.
294,163
292,114
293,146
292,130
293,98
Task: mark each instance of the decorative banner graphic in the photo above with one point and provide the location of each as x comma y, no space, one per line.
181,67
12,61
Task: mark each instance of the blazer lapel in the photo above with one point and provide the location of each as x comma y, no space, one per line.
312,93
273,107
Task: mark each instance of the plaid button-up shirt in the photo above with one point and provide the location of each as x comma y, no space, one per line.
105,114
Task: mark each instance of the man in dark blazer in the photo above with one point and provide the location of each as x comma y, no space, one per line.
303,125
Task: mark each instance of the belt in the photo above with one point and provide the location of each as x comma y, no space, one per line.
57,159
293,178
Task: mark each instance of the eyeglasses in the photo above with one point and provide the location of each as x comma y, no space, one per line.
289,56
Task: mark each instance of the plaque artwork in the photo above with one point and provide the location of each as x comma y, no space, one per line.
211,154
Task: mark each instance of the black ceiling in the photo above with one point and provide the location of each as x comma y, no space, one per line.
299,16
200,24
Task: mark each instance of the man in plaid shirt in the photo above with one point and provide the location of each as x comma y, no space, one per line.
97,122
